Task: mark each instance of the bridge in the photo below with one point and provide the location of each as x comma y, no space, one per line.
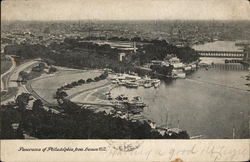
227,54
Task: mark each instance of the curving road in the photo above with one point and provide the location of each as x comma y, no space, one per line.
4,86
12,87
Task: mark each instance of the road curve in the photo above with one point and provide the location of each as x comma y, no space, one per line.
13,75
3,87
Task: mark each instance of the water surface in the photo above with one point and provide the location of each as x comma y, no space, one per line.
208,102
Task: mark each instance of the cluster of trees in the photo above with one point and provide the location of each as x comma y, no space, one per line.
61,94
52,70
74,53
35,72
160,49
74,123
39,68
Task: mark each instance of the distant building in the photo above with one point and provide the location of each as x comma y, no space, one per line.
121,56
176,62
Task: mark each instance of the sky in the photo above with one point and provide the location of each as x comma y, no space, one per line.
125,10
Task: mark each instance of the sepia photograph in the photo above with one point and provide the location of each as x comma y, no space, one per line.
125,70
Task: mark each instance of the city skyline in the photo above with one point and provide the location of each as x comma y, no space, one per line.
48,10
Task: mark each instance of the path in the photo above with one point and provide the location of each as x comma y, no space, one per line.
3,87
13,88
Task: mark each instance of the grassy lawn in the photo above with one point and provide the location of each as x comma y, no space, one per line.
5,64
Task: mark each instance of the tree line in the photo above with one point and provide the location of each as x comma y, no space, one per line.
74,123
75,53
61,94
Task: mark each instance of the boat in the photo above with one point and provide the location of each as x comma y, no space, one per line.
174,76
156,83
181,75
131,84
121,83
187,68
137,101
193,66
115,82
147,85
122,103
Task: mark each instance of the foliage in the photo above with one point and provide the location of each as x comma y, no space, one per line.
79,54
74,123
61,94
22,100
52,69
24,75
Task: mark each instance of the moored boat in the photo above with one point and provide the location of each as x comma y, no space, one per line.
122,103
188,68
131,84
156,83
147,85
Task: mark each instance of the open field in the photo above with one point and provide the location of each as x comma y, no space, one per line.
46,87
96,95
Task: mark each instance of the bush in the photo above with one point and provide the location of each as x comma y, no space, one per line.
61,94
74,84
89,80
69,86
52,70
97,79
81,81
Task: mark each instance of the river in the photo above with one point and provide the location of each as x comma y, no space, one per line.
208,102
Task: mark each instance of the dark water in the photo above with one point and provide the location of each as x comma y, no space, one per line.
208,102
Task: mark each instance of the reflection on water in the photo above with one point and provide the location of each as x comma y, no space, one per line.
208,102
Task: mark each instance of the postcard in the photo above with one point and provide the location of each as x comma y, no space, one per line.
125,80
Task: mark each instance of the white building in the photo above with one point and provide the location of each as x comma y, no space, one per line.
121,56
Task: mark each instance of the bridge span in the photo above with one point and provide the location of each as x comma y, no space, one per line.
228,54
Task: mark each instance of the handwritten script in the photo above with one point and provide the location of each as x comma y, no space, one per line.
195,151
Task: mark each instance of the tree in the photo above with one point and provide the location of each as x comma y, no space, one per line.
97,79
89,80
61,94
81,81
22,100
52,70
24,75
37,105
